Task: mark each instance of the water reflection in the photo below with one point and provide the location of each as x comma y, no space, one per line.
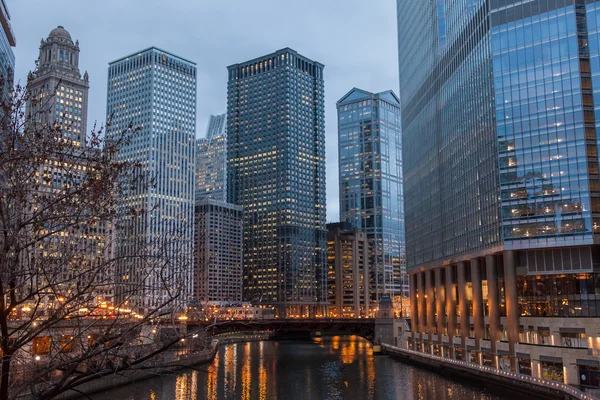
328,368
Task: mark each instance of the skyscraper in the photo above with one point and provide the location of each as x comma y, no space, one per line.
276,172
58,79
217,126
211,161
348,271
500,134
7,41
370,168
62,100
218,254
156,90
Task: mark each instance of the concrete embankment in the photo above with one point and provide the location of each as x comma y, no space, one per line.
180,362
527,386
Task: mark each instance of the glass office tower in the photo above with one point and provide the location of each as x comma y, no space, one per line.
502,193
370,168
7,42
156,90
217,126
276,172
211,161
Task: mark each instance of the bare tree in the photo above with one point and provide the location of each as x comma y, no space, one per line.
69,309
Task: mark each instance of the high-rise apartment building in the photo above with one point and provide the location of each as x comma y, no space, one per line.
218,254
370,168
276,172
211,167
7,42
347,271
156,91
58,80
217,126
502,192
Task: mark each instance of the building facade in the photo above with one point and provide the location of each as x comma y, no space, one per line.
62,94
211,168
348,271
218,254
502,193
217,126
61,90
276,172
370,168
7,42
155,91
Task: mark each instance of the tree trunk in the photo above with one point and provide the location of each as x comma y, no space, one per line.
6,358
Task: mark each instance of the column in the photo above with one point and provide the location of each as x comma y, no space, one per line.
477,303
430,307
421,304
493,301
450,308
440,296
413,306
512,305
461,272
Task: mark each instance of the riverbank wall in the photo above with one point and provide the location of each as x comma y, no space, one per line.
527,386
178,363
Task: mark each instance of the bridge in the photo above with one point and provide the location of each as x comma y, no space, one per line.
294,327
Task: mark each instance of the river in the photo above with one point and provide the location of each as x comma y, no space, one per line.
329,368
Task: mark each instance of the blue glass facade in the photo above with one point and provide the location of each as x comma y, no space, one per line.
502,190
7,41
156,91
545,158
276,172
371,198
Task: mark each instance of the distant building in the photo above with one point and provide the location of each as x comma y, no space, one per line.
7,41
348,271
371,197
156,90
276,172
218,253
211,168
217,126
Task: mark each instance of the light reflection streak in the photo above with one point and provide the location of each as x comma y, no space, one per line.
262,373
246,374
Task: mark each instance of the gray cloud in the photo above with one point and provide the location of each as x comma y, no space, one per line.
355,39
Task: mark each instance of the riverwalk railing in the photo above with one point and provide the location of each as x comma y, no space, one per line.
559,386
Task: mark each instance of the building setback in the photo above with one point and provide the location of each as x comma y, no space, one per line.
276,172
500,130
370,168
156,90
348,271
218,254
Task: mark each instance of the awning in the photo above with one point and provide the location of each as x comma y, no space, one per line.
551,359
588,363
571,330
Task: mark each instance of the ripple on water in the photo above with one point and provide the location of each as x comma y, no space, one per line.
336,368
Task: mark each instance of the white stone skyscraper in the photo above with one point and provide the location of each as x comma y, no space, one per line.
156,90
58,70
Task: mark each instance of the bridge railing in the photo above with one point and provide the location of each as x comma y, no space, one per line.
571,391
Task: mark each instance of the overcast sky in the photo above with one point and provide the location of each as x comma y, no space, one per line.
355,39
